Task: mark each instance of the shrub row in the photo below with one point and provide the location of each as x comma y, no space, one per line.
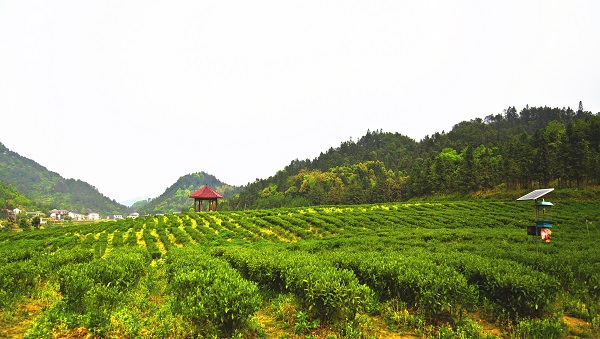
131,239
328,293
518,290
431,288
17,279
94,289
209,293
151,246
180,237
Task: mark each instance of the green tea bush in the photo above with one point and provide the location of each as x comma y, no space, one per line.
117,240
259,266
180,236
209,293
549,328
101,245
74,283
131,239
121,268
164,238
434,289
151,246
517,290
330,294
95,288
327,292
17,279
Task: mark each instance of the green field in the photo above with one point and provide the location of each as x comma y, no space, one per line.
451,269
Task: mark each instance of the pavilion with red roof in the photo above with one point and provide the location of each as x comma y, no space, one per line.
206,193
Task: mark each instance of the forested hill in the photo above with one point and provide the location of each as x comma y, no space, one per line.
176,197
11,198
46,189
538,146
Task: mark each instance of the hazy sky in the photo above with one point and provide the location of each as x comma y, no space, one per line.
130,95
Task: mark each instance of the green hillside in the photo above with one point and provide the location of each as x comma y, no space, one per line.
536,147
176,197
49,189
453,269
10,198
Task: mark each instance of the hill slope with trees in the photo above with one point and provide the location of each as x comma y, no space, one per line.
50,190
11,198
539,146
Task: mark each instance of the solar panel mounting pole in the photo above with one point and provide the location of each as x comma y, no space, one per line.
537,229
539,223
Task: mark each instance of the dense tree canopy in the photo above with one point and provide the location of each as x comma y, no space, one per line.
538,146
10,198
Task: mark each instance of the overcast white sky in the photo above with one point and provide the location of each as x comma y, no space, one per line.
130,95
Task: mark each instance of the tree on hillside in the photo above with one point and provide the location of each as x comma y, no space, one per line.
575,155
35,222
517,162
467,175
512,150
444,170
511,115
547,143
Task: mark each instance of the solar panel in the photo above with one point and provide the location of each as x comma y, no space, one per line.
536,194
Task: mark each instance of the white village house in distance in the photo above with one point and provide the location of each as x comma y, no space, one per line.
11,214
56,214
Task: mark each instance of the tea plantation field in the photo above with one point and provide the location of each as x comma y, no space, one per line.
452,269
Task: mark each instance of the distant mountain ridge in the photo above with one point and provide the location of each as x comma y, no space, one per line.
175,198
47,189
130,202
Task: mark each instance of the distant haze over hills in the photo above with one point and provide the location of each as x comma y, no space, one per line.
130,202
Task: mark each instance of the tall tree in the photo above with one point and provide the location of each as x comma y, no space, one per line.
517,162
546,143
467,175
575,155
444,171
